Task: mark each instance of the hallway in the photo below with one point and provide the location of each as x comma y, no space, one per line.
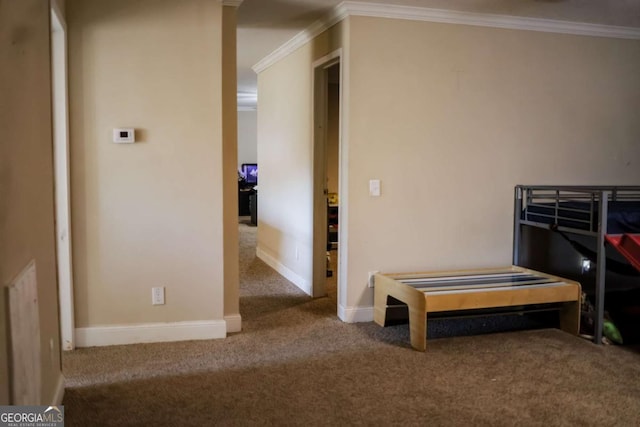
263,291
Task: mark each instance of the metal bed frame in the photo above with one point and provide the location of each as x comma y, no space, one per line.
551,197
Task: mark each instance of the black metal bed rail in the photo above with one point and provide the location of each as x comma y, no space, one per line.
557,215
581,192
552,208
548,206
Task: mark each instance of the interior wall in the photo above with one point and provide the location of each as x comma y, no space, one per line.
151,213
247,137
230,178
285,157
458,116
61,6
26,177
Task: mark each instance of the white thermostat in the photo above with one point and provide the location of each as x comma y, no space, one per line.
124,135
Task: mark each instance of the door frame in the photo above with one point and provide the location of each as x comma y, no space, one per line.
319,208
60,122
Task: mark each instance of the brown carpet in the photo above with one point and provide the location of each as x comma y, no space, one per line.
295,363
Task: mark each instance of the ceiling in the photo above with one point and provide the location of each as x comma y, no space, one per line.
264,25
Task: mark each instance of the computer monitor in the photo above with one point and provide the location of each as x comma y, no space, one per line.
250,173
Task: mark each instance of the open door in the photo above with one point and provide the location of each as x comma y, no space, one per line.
327,77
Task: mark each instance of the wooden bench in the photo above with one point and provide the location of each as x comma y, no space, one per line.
450,291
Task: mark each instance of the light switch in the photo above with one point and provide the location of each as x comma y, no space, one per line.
124,135
374,187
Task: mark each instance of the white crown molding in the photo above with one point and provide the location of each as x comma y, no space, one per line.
336,15
412,13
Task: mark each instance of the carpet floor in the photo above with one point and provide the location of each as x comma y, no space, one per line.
296,363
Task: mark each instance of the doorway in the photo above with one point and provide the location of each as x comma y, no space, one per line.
59,102
326,176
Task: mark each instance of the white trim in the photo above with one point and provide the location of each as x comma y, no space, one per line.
319,169
56,11
247,108
288,274
58,395
354,8
343,182
412,13
233,322
60,116
355,314
328,60
336,15
150,332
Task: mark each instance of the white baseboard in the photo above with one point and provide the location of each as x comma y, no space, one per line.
150,332
234,323
59,392
355,314
288,274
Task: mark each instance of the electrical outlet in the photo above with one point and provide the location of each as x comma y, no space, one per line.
297,253
157,295
371,282
374,187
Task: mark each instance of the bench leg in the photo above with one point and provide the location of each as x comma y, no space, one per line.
418,329
570,317
380,305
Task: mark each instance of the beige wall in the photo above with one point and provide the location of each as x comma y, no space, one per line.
285,156
26,175
61,5
450,118
247,137
150,213
230,174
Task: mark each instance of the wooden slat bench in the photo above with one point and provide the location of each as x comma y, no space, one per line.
444,291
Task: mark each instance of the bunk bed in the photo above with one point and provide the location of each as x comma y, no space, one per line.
600,214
